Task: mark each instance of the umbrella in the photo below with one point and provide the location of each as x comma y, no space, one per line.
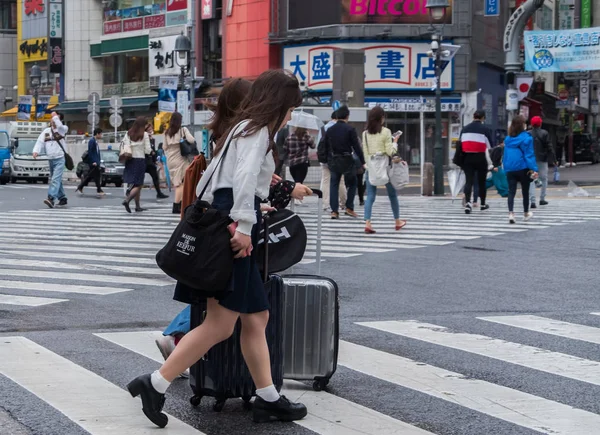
163,159
306,120
456,180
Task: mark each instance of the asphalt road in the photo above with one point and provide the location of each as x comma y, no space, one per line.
456,325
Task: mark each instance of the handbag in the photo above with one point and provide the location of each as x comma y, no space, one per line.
198,253
125,151
378,165
69,163
185,147
399,175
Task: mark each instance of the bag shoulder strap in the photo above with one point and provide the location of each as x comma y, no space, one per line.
365,134
223,154
58,141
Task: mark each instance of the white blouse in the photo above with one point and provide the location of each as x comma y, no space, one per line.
247,169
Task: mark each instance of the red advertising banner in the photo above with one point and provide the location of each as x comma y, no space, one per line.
176,5
208,9
154,21
133,24
389,12
112,27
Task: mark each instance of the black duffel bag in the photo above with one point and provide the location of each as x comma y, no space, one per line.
287,241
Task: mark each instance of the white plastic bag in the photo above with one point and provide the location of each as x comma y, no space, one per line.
576,191
399,175
378,166
457,181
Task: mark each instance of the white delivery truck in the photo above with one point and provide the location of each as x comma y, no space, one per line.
23,166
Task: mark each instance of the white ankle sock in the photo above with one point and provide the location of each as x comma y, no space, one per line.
268,394
159,383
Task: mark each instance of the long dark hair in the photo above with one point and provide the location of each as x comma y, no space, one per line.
271,96
375,120
231,98
137,130
174,124
300,132
517,126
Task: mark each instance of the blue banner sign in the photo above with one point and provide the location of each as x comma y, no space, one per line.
492,8
562,50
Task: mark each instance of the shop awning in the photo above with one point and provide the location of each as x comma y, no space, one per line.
133,102
12,113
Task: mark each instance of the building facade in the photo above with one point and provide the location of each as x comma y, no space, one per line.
8,51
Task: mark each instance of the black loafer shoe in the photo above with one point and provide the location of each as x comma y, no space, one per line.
161,196
126,205
152,400
282,410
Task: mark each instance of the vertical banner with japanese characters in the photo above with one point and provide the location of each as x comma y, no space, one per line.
55,29
24,108
183,106
167,94
586,14
41,105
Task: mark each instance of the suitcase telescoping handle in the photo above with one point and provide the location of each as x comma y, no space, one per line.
266,219
319,226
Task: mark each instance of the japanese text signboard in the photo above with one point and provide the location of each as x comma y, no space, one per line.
161,57
563,50
388,65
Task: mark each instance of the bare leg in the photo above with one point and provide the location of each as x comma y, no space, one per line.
178,194
217,327
255,349
137,198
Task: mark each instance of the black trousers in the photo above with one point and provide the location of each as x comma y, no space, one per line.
94,175
151,169
362,187
299,172
514,178
475,163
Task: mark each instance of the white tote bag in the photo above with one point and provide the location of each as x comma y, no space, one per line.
378,166
399,175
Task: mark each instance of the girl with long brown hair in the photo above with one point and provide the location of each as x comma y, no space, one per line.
241,181
176,162
135,168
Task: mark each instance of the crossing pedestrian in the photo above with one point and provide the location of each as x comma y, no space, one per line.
476,139
326,173
135,168
151,162
176,162
520,165
377,141
296,149
243,179
51,142
94,161
544,156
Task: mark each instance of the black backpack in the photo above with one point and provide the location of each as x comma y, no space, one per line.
85,157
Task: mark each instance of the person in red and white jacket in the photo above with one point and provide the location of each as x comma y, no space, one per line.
476,141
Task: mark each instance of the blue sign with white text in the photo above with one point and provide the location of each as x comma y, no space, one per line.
492,8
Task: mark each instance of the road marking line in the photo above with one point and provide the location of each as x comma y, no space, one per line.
61,288
514,406
120,279
28,301
54,248
549,326
98,258
83,266
93,403
556,363
327,414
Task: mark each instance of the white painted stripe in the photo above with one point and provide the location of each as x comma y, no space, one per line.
53,247
93,403
549,326
359,242
97,258
93,223
61,288
87,241
556,363
595,314
514,406
28,301
86,277
327,414
409,230
136,234
82,266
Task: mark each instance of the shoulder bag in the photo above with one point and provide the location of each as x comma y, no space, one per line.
69,164
186,148
377,165
125,151
399,174
199,254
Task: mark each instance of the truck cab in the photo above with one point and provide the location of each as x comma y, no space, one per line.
5,149
23,166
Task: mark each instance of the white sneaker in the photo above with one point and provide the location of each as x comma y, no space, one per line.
166,345
511,218
528,215
468,208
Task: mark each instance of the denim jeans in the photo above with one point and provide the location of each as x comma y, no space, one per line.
543,173
56,190
351,183
181,323
372,195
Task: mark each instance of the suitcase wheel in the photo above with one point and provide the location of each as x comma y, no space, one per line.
320,384
247,404
195,400
219,405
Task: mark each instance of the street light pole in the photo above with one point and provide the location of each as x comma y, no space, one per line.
35,77
438,150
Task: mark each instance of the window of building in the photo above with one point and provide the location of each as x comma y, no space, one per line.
126,74
8,16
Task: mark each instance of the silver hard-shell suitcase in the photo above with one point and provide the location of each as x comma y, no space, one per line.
311,322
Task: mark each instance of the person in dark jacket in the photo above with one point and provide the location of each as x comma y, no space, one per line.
340,141
476,140
94,161
520,165
280,140
151,161
544,155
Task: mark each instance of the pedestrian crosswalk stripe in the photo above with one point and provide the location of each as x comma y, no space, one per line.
135,233
61,288
95,404
527,356
86,241
549,326
595,314
327,414
98,258
94,224
83,266
120,279
28,301
511,405
76,247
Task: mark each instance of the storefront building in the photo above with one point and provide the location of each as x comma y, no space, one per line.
8,48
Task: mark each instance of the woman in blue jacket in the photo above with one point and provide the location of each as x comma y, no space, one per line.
519,164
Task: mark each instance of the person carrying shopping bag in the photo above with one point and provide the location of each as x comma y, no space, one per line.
135,166
379,147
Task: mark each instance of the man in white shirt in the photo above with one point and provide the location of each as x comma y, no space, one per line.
52,142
